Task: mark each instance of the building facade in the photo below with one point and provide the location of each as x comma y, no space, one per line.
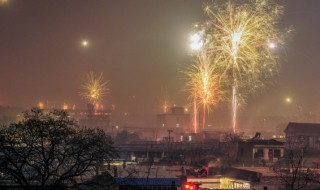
260,151
304,134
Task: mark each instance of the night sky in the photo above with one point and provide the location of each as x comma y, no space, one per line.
140,46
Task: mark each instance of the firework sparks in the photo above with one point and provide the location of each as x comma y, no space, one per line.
95,88
165,106
203,85
165,103
242,36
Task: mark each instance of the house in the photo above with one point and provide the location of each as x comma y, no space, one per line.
260,151
306,134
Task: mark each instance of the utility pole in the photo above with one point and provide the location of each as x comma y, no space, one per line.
170,131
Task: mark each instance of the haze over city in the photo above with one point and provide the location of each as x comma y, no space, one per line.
159,95
140,47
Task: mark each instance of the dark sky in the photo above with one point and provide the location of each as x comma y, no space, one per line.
139,45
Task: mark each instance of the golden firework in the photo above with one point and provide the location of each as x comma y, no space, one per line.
242,41
238,41
203,84
95,88
242,38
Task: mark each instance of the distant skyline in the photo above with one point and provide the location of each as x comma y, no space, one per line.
140,46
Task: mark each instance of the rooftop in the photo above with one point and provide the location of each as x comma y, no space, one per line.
261,142
303,128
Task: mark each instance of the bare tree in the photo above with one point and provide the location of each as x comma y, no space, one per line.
290,169
49,150
231,137
230,147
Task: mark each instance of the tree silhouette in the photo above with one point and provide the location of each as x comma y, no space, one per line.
49,150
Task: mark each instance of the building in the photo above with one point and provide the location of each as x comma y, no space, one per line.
260,151
226,178
306,134
177,120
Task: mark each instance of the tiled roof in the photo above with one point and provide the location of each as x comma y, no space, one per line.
303,128
148,181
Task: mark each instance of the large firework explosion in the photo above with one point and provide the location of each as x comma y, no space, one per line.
243,35
95,88
240,38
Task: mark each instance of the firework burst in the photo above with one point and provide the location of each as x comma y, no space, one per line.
203,85
95,88
241,40
243,37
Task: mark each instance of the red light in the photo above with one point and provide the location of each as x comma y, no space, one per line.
189,186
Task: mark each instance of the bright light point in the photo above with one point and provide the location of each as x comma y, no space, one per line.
84,43
272,45
236,37
288,100
196,42
40,105
65,107
195,38
196,46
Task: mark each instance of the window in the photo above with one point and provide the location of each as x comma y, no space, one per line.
277,153
259,153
